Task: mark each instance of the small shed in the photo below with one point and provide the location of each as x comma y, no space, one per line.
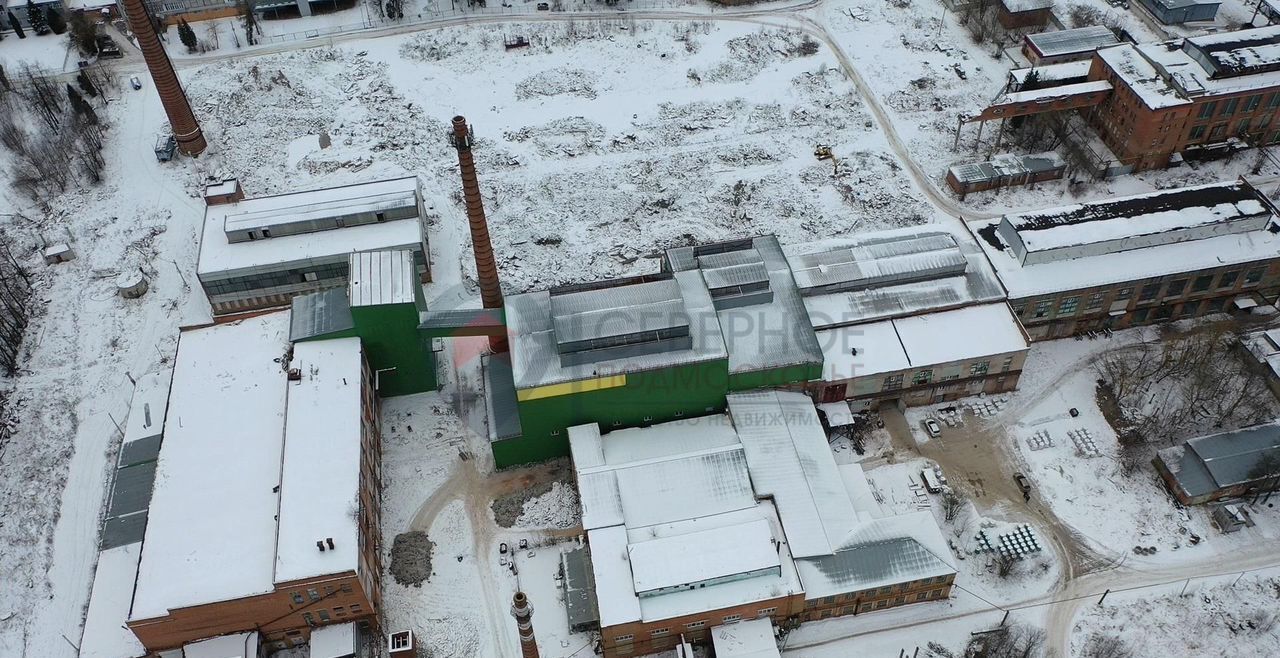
745,639
1016,14
1177,12
1005,171
1231,518
58,253
166,147
225,191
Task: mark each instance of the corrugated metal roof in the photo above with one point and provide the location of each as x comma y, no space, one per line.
874,564
736,275
877,264
319,314
382,277
1235,457
789,459
579,590
1079,40
619,321
688,487
500,398
697,557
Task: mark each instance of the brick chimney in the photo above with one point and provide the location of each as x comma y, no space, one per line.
186,130
462,138
523,612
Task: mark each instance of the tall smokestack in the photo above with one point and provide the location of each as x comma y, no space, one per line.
186,131
486,269
523,612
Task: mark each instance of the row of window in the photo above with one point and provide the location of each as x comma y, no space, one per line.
313,594
701,623
1230,106
926,376
1067,306
274,279
339,612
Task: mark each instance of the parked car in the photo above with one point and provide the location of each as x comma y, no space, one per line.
542,6
932,427
1024,485
107,47
135,82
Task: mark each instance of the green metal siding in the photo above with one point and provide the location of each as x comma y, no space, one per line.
649,397
776,377
345,333
391,339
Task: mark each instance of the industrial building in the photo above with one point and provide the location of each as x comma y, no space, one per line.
741,516
744,315
1005,171
1224,465
1135,260
1177,12
1060,46
261,252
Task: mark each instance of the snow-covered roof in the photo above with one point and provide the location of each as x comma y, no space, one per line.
1066,42
105,635
211,526
691,559
236,645
1007,165
1017,6
1241,52
381,277
1137,221
1050,94
763,334
220,258
920,341
535,355
333,641
1141,77
320,479
921,292
752,638
147,408
884,551
790,460
1053,72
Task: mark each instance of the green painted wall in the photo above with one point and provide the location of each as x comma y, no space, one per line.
389,333
345,333
649,397
776,377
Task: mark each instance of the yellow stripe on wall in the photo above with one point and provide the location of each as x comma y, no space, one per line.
571,388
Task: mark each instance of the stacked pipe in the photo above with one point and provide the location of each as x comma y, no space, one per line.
523,612
186,130
486,268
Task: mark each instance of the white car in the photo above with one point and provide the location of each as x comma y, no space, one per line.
931,426
135,82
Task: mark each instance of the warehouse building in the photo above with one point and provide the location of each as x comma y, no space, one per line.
261,252
1224,465
1079,44
743,516
1136,260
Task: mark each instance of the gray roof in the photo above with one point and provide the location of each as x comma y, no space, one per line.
579,590
1209,463
1081,39
877,263
869,565
534,318
320,314
500,398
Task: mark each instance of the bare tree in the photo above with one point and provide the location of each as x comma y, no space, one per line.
951,505
1016,641
15,292
1106,646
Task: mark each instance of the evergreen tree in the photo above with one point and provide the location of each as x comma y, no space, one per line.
54,19
17,27
84,34
86,85
35,17
187,35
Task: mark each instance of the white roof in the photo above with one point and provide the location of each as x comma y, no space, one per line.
704,555
789,459
746,639
220,258
1048,94
1141,76
147,408
319,489
381,277
105,635
610,564
1063,71
879,552
222,187
1132,265
237,645
920,341
211,525
960,335
1190,76
333,641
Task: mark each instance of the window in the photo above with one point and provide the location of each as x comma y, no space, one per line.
1006,364
624,638
324,615
355,608
1242,127
979,369
1042,308
1228,279
1163,312
340,610
729,619
314,594
1124,293
1068,305
765,612
660,631
1251,103
696,624
921,378
1095,301
892,383
1218,131
886,590
1140,315
1273,100
1202,283
1207,109
1190,308
297,598
1018,310
1149,292
306,617
1215,305
1230,106
1197,132
1175,288
1253,276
